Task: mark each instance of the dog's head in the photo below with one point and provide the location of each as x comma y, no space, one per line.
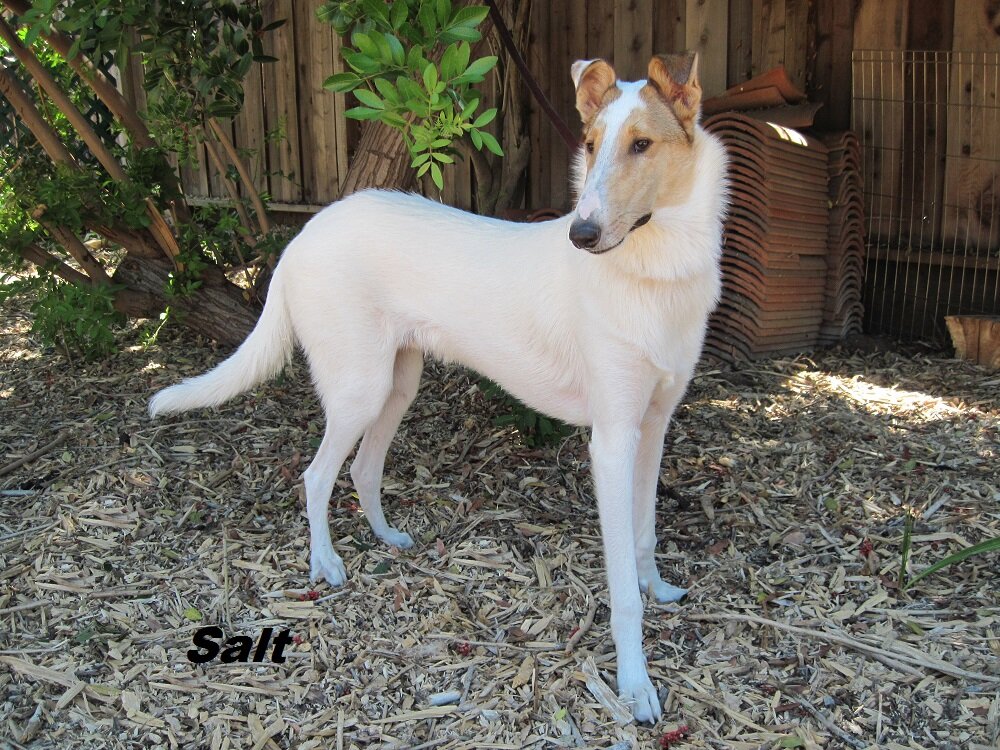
638,150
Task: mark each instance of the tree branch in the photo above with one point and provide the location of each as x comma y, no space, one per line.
234,193
244,173
104,89
76,248
25,108
158,226
44,259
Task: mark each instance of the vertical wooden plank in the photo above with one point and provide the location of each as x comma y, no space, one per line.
931,27
316,113
830,75
633,38
708,35
339,107
601,30
880,27
768,35
740,53
542,140
669,26
972,172
797,33
249,127
281,105
559,79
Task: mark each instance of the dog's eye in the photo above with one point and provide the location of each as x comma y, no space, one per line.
590,147
640,145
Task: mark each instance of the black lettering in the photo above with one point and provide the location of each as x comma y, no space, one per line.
203,640
283,639
237,649
265,638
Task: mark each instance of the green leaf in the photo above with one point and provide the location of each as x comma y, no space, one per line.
477,139
443,158
427,19
485,118
420,159
363,113
369,98
449,65
397,16
342,82
430,77
360,62
460,34
392,119
382,567
490,142
990,545
365,45
472,15
443,8
398,54
479,68
436,176
387,90
424,168
192,614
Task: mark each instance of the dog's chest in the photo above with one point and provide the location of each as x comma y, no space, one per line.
663,324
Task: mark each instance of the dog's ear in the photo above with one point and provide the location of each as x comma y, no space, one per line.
592,79
676,78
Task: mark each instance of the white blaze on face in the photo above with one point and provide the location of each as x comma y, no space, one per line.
588,204
612,118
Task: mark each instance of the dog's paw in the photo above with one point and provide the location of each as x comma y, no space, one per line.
396,538
663,592
329,566
639,694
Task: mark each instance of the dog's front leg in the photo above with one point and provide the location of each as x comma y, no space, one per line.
647,473
613,451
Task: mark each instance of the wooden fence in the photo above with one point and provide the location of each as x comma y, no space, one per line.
736,38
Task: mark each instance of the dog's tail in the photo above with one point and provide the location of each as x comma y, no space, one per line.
261,356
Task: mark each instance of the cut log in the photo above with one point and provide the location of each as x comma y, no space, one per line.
976,338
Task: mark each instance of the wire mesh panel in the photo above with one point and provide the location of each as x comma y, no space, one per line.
929,124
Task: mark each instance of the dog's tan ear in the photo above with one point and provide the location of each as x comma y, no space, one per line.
676,78
592,79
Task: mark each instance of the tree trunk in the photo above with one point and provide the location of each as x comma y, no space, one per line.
217,309
381,160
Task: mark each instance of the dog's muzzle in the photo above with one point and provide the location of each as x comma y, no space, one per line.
586,234
643,220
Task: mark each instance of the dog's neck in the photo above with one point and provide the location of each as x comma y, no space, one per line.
681,240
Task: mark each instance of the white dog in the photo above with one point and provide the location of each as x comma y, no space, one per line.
596,318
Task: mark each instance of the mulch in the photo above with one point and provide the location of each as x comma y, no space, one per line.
786,483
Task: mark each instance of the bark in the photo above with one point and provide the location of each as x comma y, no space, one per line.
381,160
217,309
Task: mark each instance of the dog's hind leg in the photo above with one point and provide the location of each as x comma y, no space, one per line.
352,402
366,471
647,472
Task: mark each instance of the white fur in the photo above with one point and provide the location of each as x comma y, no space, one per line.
612,118
609,341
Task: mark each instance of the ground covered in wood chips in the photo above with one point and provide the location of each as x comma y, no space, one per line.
785,488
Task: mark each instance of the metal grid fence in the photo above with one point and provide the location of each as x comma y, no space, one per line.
929,125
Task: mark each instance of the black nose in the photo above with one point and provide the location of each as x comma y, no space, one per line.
584,234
